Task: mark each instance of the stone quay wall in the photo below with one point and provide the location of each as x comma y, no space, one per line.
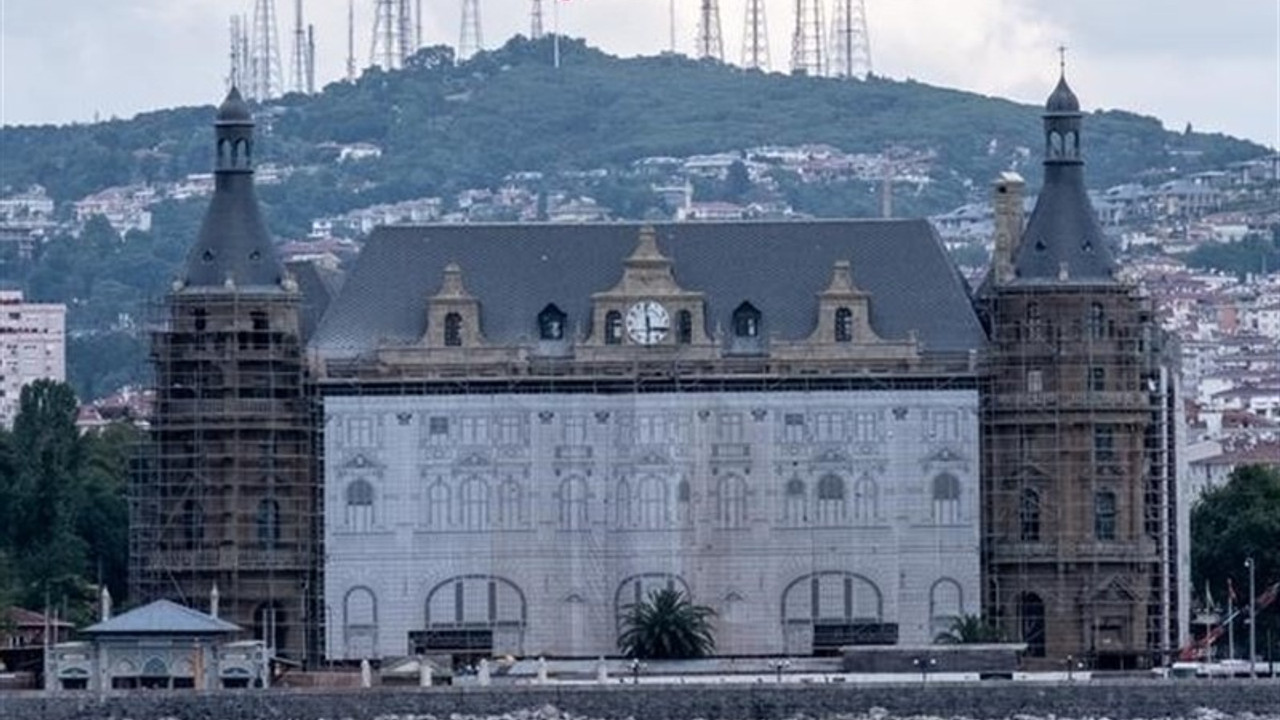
1117,700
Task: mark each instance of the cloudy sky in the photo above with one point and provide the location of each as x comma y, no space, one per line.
1214,63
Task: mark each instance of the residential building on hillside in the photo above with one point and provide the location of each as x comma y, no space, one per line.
33,346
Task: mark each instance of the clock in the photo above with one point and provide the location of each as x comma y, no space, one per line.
648,322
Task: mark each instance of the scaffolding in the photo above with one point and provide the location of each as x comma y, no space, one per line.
223,492
1082,525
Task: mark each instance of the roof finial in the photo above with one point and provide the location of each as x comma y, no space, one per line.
1062,60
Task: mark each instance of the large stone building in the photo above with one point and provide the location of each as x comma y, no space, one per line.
810,427
33,346
1085,536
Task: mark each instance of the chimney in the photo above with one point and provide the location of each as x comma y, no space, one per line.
105,604
1007,203
213,600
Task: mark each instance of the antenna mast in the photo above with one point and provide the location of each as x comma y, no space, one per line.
850,42
470,39
267,75
384,50
351,41
710,44
755,40
239,76
405,32
535,21
671,10
806,39
298,63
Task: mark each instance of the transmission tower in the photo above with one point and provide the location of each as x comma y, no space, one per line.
311,59
239,32
850,43
535,21
405,31
470,39
267,76
298,63
385,49
351,40
755,39
710,43
807,39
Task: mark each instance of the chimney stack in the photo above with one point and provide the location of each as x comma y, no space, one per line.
1007,202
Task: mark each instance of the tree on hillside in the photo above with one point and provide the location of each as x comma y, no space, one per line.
968,630
1237,521
666,626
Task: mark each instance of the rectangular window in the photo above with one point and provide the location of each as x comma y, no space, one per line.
575,430
1097,379
510,430
793,428
473,430
438,427
864,427
1104,443
829,427
360,432
1104,515
946,425
729,427
649,429
1035,381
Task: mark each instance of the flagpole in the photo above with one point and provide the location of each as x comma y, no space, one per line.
555,20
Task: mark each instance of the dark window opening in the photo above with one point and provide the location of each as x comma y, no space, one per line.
453,330
746,321
1031,608
260,327
844,325
613,328
1097,321
199,319
684,327
269,522
1029,516
1104,515
1097,379
551,323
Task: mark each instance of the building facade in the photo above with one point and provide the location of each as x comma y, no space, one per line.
1085,535
225,496
33,346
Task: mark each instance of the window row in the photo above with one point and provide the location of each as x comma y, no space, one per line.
267,528
1030,510
1096,326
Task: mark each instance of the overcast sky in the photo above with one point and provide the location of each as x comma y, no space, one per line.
1214,63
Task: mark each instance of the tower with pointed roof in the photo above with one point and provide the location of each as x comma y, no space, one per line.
225,497
1083,532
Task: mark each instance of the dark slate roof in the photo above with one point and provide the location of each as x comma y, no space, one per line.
1063,232
163,617
780,267
1062,99
234,108
317,286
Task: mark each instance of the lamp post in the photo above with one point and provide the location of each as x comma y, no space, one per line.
924,664
1253,620
635,671
779,666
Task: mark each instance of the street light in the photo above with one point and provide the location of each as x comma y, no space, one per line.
779,666
924,664
1253,621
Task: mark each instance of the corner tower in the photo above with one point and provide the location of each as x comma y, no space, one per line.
1081,538
225,496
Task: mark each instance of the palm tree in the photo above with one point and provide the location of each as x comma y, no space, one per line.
968,630
666,625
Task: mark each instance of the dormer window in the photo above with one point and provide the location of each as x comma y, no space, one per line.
453,330
551,323
844,325
613,328
684,327
746,321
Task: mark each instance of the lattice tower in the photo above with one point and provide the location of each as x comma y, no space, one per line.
535,20
351,41
755,38
406,32
298,61
311,59
850,54
385,49
470,39
710,42
239,46
807,39
267,76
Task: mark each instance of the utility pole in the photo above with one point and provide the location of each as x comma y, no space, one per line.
1253,619
470,39
710,43
755,38
807,39
850,41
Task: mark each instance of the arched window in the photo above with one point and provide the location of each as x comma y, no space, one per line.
1029,516
731,508
1104,515
439,498
1055,144
622,514
475,504
192,524
551,323
199,319
866,499
684,503
613,328
946,605
573,504
832,509
946,499
360,623
653,503
1035,322
684,327
795,509
1031,612
268,522
1097,321
746,321
844,325
360,505
453,330
510,505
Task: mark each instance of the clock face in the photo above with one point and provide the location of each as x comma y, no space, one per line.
648,322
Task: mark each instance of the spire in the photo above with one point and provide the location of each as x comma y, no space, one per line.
1063,241
233,250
